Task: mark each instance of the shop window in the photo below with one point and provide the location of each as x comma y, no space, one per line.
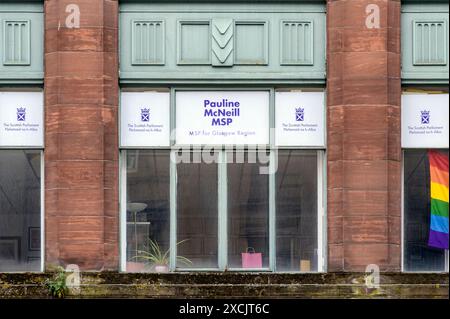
197,218
222,192
21,144
425,136
296,186
148,206
421,252
248,214
20,210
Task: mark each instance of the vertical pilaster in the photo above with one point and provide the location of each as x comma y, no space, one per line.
81,151
364,152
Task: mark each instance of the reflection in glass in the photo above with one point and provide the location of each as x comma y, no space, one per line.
417,212
197,216
248,214
296,212
148,208
20,210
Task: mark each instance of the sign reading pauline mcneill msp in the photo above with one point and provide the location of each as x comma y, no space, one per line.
425,120
300,119
222,117
21,119
145,119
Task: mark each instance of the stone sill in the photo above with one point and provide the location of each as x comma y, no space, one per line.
232,285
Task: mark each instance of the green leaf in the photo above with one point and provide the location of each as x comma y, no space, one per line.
154,255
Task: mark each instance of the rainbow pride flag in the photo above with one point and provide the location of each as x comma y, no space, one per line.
439,199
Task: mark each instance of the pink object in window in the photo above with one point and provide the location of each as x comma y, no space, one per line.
251,259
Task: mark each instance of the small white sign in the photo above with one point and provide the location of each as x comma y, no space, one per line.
425,120
300,119
222,117
145,119
21,119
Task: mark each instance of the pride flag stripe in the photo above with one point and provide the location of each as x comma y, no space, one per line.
438,239
438,236
438,160
439,177
439,223
439,208
439,191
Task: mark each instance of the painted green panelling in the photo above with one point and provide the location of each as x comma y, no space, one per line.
194,44
427,39
16,42
252,42
297,42
147,42
222,42
21,43
425,32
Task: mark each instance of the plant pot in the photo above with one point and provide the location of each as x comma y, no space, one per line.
161,268
135,267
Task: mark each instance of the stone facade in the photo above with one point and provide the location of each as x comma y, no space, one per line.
230,286
81,149
363,152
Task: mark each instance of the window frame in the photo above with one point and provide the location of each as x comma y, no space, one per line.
42,204
403,231
41,149
222,184
424,89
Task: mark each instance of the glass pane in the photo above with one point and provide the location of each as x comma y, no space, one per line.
296,214
148,209
248,213
197,216
20,210
417,213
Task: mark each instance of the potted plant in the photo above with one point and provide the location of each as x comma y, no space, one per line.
158,259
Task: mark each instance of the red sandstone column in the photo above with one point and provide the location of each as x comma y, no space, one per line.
364,152
81,151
